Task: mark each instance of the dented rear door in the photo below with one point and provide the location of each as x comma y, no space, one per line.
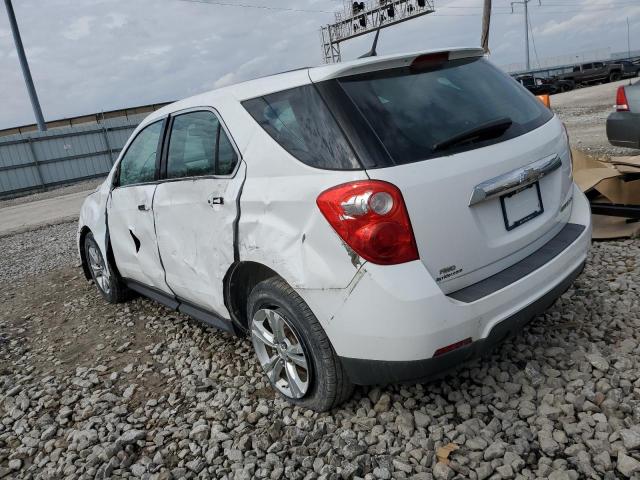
195,208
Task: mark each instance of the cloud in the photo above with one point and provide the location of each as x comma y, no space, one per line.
79,28
585,21
226,79
105,54
115,20
147,53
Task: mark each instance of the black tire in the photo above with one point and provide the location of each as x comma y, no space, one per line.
328,383
111,287
615,76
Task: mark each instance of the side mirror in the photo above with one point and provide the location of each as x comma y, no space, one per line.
545,99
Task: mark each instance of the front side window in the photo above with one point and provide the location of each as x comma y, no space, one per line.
198,145
302,124
139,162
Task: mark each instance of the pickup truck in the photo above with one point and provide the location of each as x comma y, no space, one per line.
594,72
536,85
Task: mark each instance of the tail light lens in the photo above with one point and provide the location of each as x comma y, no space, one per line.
622,105
371,217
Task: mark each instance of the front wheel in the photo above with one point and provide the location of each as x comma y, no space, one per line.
614,77
293,349
109,284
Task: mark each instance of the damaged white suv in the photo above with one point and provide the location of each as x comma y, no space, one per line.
367,222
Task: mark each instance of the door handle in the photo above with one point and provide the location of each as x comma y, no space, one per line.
215,201
142,207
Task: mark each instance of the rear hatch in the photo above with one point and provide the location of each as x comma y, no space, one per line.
483,166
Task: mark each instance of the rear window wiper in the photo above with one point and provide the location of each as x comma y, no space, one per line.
491,129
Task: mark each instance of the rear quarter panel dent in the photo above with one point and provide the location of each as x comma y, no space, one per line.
280,223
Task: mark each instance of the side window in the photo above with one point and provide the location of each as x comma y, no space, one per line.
301,123
139,162
227,157
198,146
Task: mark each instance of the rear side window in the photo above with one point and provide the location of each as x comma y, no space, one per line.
301,123
198,145
413,111
139,162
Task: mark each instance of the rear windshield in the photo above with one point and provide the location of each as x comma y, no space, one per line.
413,111
301,123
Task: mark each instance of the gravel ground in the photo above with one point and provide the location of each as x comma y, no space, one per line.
89,389
37,251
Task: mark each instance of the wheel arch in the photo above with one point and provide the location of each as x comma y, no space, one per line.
239,281
83,256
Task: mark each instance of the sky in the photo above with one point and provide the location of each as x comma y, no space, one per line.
93,55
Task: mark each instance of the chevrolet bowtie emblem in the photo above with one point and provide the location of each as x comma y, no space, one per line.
529,175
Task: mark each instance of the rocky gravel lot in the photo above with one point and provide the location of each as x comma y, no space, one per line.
92,390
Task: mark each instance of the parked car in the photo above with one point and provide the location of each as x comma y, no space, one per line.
367,222
629,68
537,85
623,125
593,72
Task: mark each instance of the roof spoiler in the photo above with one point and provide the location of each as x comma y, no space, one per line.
373,64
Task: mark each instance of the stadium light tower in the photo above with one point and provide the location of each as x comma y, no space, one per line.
359,18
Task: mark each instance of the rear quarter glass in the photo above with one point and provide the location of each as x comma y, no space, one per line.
410,110
301,123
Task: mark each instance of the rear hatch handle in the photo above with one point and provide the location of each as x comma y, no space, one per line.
515,179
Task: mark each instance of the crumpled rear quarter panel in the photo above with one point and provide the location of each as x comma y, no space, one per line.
280,224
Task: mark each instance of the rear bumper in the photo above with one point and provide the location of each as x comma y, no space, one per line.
372,372
623,129
389,323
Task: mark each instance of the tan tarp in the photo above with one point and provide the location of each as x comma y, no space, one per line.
605,176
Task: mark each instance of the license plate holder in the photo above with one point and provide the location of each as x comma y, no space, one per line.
521,205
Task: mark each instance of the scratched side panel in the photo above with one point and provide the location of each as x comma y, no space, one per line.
281,225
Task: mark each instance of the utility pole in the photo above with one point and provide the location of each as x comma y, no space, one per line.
26,73
526,28
628,39
486,22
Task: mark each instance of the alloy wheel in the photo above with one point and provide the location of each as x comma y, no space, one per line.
98,268
280,353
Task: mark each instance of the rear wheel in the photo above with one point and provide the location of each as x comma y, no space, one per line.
615,76
109,284
293,349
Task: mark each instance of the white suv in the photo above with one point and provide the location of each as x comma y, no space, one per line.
367,222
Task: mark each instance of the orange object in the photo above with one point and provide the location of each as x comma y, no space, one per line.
545,99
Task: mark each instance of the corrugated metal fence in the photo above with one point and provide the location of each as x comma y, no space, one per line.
40,159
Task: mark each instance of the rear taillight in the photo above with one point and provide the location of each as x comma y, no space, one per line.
622,105
371,217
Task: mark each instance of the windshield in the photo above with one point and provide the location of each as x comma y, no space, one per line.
413,112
